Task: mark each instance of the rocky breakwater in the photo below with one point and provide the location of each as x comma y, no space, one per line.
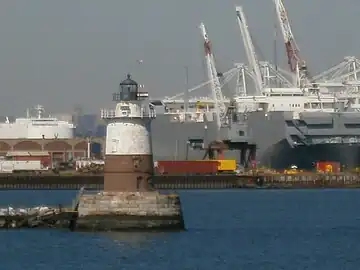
124,211
40,216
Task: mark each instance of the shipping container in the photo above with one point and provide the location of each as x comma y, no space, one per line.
224,164
328,166
186,167
9,166
42,156
30,165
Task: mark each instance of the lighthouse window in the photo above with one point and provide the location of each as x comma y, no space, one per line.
126,94
125,109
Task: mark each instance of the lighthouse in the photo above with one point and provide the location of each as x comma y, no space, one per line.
128,151
126,202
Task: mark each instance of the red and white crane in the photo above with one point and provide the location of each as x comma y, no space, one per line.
296,63
220,107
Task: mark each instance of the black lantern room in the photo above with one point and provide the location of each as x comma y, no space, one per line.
128,90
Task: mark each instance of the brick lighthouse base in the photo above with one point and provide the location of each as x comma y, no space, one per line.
127,172
127,202
127,211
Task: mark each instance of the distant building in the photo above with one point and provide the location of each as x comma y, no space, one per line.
100,131
90,125
63,117
85,125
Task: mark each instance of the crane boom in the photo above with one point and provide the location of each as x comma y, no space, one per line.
220,107
292,49
250,49
297,65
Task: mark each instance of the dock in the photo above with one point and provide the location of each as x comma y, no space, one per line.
264,181
174,182
51,182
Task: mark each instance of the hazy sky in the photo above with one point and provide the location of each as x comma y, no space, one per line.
62,53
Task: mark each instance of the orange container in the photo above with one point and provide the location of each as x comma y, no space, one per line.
328,166
186,167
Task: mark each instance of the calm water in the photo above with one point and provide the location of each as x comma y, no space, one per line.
254,229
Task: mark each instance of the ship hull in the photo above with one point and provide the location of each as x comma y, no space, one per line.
281,155
169,138
274,135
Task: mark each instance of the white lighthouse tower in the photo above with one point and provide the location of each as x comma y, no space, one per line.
128,151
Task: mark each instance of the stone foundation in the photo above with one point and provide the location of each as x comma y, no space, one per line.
117,211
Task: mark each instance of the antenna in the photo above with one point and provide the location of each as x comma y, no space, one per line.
40,110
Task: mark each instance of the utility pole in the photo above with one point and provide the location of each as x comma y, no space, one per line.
186,94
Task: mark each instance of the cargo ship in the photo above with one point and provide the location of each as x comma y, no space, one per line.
38,133
298,136
288,127
36,126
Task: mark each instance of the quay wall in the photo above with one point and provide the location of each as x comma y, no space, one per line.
96,182
65,182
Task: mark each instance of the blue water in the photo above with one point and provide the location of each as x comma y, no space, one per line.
247,229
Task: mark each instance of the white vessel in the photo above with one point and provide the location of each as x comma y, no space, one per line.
36,127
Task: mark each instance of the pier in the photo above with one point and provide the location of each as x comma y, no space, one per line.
101,211
51,182
173,182
310,180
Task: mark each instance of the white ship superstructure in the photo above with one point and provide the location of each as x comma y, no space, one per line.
36,127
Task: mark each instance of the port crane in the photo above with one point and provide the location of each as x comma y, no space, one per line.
215,148
219,102
213,76
227,76
260,71
344,74
297,65
343,81
250,51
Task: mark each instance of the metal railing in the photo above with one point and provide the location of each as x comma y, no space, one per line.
109,114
